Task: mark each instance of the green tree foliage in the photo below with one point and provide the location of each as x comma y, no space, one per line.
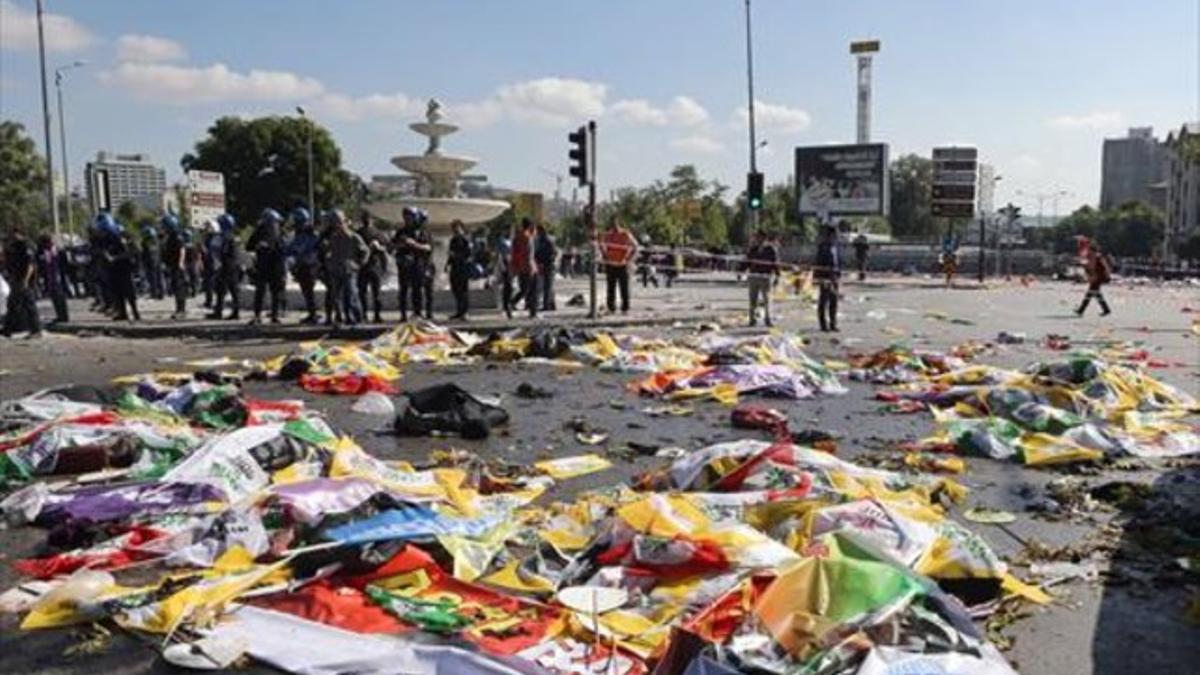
265,162
911,208
1132,229
684,209
22,180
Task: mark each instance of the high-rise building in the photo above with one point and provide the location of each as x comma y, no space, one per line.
1131,167
1183,184
113,179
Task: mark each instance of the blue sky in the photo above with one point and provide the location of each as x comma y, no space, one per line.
1035,84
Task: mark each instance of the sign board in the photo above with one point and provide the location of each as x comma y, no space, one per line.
206,196
955,177
102,198
864,46
836,180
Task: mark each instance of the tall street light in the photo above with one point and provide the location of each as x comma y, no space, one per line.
751,214
46,119
312,202
62,139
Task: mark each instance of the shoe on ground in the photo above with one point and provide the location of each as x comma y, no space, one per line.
1106,312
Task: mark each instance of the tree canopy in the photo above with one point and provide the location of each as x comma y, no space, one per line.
265,163
1133,229
22,180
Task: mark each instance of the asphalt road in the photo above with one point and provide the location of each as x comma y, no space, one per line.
1091,628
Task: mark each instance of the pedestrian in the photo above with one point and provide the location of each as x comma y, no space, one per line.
675,265
761,269
646,265
545,251
193,252
228,261
123,261
504,285
949,258
270,270
49,261
174,261
370,277
152,261
458,264
524,267
618,249
20,270
210,245
412,249
1099,272
827,271
302,251
347,252
861,248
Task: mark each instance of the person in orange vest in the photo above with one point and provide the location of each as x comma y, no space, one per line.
618,247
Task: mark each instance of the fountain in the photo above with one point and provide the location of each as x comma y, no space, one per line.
437,183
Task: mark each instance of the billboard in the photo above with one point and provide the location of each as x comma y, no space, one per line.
847,180
206,196
955,177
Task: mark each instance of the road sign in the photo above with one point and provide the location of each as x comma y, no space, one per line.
955,176
206,196
864,46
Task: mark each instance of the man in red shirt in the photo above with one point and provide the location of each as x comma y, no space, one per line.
618,248
524,267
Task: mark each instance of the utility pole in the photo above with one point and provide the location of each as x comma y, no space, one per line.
591,217
62,140
312,200
46,120
751,214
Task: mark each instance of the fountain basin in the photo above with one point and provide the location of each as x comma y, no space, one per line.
441,211
434,129
434,165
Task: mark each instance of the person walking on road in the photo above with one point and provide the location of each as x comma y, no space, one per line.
412,249
270,269
525,267
827,271
458,264
949,258
504,285
370,277
228,260
618,249
20,269
174,259
303,251
545,253
347,251
762,267
861,248
49,267
1099,272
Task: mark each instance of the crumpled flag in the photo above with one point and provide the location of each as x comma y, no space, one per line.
571,467
225,463
410,521
445,484
433,601
233,574
835,585
116,552
347,384
472,556
310,501
423,342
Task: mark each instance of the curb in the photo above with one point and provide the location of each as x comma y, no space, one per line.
229,331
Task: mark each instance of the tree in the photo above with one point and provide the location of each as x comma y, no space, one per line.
911,185
265,163
22,180
1133,229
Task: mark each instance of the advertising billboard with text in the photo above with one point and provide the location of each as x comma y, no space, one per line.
842,180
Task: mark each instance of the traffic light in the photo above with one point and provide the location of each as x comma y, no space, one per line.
754,190
580,162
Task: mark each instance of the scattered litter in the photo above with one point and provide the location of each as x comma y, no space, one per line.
374,403
592,438
989,516
1013,338
570,467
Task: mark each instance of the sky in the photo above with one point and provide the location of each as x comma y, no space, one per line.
1036,85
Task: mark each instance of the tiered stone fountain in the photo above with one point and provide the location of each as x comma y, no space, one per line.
438,178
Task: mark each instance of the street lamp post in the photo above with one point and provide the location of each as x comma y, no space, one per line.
751,214
312,202
62,139
46,119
